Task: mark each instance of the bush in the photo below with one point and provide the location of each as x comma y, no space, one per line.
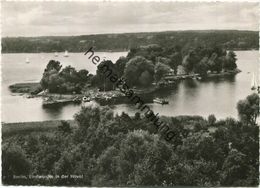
64,127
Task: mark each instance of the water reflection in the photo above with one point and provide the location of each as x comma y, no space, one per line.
54,111
230,78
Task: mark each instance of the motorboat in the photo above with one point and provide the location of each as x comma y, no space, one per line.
160,101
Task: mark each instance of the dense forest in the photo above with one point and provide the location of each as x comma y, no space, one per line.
229,39
107,149
142,67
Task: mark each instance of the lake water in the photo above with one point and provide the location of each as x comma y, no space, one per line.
189,97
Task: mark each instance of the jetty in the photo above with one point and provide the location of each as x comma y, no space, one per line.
223,73
51,101
172,77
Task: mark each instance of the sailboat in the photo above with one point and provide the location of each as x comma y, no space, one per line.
66,54
56,54
27,60
253,83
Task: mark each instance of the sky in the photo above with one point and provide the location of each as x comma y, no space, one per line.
82,18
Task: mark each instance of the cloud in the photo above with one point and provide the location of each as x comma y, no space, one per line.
77,18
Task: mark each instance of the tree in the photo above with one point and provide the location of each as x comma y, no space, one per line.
145,78
120,66
64,166
176,59
137,116
32,146
234,169
211,119
151,52
102,78
64,127
83,75
232,55
230,63
14,162
53,65
107,166
141,159
190,60
50,152
214,64
248,109
55,83
67,80
164,60
69,74
139,72
202,67
88,117
160,70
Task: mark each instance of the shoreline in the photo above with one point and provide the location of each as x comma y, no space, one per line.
30,87
12,128
223,74
9,129
34,90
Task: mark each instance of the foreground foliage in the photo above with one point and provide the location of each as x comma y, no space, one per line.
119,150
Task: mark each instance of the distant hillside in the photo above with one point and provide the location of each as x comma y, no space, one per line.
242,40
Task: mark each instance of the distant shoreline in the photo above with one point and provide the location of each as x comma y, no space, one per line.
115,51
229,39
106,51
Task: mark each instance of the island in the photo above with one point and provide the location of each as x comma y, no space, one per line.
145,69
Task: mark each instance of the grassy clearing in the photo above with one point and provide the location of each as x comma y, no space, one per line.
10,129
32,88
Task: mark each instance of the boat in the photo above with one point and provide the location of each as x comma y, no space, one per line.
66,54
199,78
253,82
27,60
86,99
160,101
56,54
29,96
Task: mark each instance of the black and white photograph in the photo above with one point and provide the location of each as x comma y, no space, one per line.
130,93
